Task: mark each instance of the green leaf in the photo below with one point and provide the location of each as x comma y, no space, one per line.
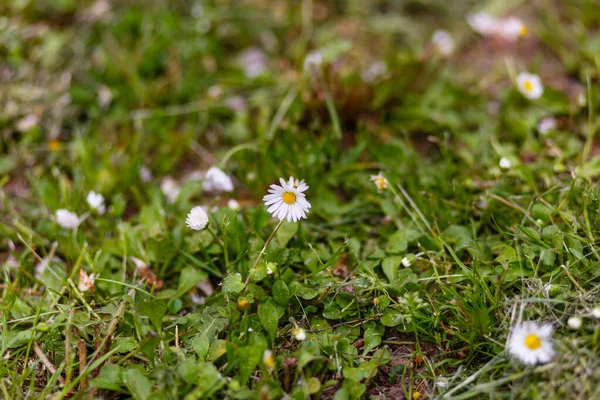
391,317
366,370
390,267
201,344
137,383
281,293
109,378
249,357
269,314
286,232
152,308
259,273
372,339
189,278
233,283
397,243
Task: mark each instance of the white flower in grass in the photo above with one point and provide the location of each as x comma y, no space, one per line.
233,204
530,343
253,62
66,219
86,282
443,41
170,188
530,85
375,72
299,334
268,359
483,23
215,180
380,181
406,262
596,312
96,201
512,28
313,60
546,125
505,163
145,174
197,219
287,200
574,323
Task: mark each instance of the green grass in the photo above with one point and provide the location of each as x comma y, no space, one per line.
88,99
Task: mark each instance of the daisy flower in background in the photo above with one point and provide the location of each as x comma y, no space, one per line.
197,219
575,323
253,62
170,188
380,181
96,202
233,204
313,60
376,71
505,163
66,219
268,359
86,282
483,23
287,200
512,28
546,125
299,334
443,41
145,174
215,180
530,343
530,85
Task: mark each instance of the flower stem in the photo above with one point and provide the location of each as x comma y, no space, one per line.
260,255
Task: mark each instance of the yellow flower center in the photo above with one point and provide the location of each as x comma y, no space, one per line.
523,30
54,145
528,86
381,182
289,198
533,342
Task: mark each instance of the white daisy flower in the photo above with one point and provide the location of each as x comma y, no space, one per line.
287,201
66,219
483,23
596,312
313,60
96,201
170,188
530,85
546,125
233,204
299,334
512,28
268,359
215,180
86,282
380,181
530,343
443,41
574,323
375,72
505,163
406,262
197,219
253,62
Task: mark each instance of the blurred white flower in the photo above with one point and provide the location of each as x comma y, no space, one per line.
86,282
215,180
170,188
197,219
574,323
511,28
443,41
299,334
214,91
26,123
313,60
380,181
233,204
268,359
96,201
253,61
483,23
66,219
104,96
145,174
596,312
505,163
236,103
406,262
376,71
530,343
287,201
546,125
530,85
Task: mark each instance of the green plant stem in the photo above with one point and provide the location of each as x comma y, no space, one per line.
261,254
